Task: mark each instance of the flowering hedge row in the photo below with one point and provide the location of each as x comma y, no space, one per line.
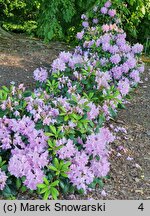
55,139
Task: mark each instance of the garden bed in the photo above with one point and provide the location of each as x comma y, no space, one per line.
126,181
128,154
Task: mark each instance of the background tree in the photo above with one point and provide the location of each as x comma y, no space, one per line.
60,19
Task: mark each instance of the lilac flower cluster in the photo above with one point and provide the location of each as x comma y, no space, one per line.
111,61
117,57
83,170
65,59
3,179
40,74
28,149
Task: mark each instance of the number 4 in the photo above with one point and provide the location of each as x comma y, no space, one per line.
141,207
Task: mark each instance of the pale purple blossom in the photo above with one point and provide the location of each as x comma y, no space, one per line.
124,86
85,24
103,193
84,17
94,112
112,12
97,144
116,72
100,168
80,35
58,65
67,151
95,21
129,158
131,62
125,68
107,4
102,79
65,56
141,68
115,59
103,61
3,179
135,75
40,74
137,48
106,46
104,10
76,59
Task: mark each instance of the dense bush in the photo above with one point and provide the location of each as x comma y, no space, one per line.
64,16
60,19
57,138
19,16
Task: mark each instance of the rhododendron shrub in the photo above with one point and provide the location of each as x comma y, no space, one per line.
55,139
37,128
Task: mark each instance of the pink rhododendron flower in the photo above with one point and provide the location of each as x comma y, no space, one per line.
105,28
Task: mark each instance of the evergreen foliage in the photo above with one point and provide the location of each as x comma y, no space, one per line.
60,19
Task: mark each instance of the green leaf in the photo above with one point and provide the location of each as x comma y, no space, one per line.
18,183
49,134
56,163
74,98
61,184
27,94
7,190
23,189
54,193
44,190
41,185
66,189
64,175
52,168
2,113
46,195
5,89
121,106
66,118
65,167
113,113
62,109
55,183
67,164
53,129
71,189
46,181
0,159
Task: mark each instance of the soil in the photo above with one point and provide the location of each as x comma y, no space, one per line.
130,167
20,56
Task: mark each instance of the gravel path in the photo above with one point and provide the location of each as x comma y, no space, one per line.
20,56
130,167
